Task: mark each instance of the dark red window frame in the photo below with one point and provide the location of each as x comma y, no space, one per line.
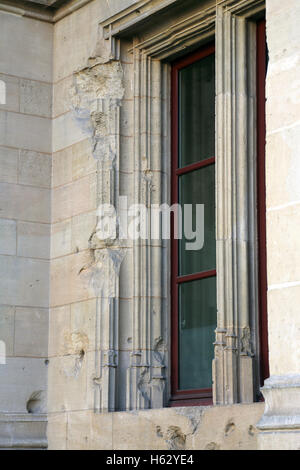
204,396
183,397
261,66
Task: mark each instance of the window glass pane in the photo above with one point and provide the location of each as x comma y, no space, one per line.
198,187
197,111
197,322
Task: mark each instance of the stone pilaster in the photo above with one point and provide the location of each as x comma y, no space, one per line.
280,424
233,368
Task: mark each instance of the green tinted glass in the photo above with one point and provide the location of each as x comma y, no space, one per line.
198,187
197,322
197,111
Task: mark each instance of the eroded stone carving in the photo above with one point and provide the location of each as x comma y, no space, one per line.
96,97
37,402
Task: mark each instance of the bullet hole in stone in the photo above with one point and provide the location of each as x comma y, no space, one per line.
175,438
46,362
212,446
251,430
229,428
35,404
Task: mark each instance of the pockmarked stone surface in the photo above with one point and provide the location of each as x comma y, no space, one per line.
85,321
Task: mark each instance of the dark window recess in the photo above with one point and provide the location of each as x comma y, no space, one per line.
262,61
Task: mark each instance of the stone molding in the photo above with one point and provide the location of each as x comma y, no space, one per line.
42,12
14,426
146,375
99,115
117,24
236,342
235,367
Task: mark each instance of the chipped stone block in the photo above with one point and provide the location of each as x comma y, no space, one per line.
70,50
82,228
68,283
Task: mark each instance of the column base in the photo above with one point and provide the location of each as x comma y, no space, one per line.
279,427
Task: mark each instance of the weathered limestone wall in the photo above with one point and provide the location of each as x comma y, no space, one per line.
57,281
25,215
202,428
72,313
282,390
78,123
90,95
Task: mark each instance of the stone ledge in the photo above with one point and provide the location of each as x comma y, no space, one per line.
23,431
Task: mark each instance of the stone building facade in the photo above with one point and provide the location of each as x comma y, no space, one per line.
85,321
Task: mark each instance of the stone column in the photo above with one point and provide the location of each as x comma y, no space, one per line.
235,346
280,424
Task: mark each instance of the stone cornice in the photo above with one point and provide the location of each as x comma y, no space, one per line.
135,15
128,19
49,11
